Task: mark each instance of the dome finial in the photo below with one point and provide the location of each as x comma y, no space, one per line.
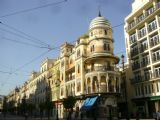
99,14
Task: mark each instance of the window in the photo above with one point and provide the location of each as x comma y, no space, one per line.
152,26
145,60
154,40
157,87
133,38
141,32
149,11
105,32
106,46
147,74
146,91
61,91
137,76
140,18
62,63
92,48
134,50
91,33
71,61
157,72
156,56
149,89
78,86
78,52
144,46
78,68
131,24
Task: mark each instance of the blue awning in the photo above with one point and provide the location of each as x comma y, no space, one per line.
88,103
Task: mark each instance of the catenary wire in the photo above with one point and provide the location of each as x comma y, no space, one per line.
31,9
20,42
25,34
13,33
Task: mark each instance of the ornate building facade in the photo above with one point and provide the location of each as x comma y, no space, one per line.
87,70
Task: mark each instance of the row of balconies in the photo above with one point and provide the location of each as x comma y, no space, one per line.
153,42
101,68
138,65
146,77
135,52
145,15
156,58
70,78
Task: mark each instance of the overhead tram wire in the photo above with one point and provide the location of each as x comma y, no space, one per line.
13,33
32,60
31,9
20,42
58,49
25,34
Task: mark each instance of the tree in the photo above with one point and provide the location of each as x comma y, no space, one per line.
30,108
68,104
48,107
41,107
4,106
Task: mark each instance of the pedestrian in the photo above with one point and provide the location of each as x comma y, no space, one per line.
26,116
155,115
137,115
81,116
158,115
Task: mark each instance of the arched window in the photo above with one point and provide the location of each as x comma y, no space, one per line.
93,47
91,33
78,68
108,47
78,52
104,46
105,32
71,61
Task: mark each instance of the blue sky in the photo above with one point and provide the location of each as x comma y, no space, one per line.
54,25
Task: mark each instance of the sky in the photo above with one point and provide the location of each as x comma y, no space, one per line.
61,21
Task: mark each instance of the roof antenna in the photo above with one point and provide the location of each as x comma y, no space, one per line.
99,14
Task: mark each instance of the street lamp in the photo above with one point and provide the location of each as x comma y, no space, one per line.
126,101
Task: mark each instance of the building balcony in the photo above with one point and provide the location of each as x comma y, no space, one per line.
143,48
103,88
147,14
101,56
140,79
70,78
154,43
145,63
136,80
102,69
156,59
134,53
135,66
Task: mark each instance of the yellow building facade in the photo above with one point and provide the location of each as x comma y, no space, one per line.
86,70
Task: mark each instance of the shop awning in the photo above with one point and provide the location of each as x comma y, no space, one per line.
88,103
155,98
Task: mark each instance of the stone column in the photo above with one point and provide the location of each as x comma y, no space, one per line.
107,81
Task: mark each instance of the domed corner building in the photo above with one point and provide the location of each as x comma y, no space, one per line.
102,78
90,73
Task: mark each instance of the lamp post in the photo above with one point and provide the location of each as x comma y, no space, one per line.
57,110
126,101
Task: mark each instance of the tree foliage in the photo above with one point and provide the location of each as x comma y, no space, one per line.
69,102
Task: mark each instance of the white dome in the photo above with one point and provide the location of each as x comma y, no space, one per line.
99,22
